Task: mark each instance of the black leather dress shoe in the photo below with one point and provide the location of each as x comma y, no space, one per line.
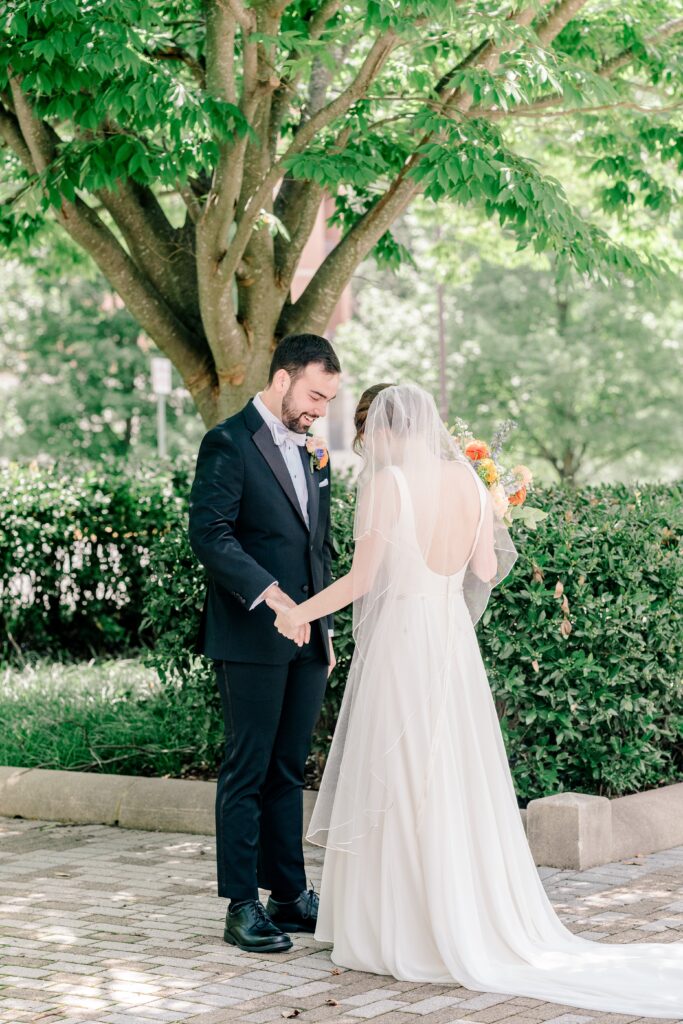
251,929
299,915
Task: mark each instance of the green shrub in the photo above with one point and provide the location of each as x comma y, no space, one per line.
587,682
582,642
74,553
595,705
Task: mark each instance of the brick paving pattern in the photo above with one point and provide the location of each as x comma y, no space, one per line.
114,926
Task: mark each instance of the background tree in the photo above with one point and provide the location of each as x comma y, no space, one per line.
76,369
250,113
590,373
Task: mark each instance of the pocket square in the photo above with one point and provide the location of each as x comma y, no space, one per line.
323,483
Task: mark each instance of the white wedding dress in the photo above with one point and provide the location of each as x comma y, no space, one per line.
428,875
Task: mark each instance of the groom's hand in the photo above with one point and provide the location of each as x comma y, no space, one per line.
279,602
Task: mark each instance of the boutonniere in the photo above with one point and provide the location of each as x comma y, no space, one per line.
318,452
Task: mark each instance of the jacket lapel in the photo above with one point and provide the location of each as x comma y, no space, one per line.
263,439
313,490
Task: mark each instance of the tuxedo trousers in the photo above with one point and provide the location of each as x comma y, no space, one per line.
269,713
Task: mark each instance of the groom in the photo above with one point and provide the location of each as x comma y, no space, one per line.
260,525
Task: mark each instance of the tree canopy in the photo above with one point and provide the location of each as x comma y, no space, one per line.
591,374
187,147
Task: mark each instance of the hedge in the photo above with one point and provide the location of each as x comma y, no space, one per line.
582,642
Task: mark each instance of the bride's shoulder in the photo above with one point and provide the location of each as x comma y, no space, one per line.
464,479
382,490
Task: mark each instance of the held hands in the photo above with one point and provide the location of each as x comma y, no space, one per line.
285,621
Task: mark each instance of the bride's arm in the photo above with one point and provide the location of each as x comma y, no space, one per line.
367,556
483,562
329,600
366,560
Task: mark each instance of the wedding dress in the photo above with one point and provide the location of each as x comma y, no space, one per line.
427,874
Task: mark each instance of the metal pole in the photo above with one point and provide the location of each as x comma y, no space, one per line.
161,426
443,390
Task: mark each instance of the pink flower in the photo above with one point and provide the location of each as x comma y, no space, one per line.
499,499
523,474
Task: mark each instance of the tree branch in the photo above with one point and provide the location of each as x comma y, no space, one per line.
604,71
178,53
297,207
314,307
36,138
370,68
243,17
11,133
669,28
487,56
287,88
222,17
556,19
187,349
161,252
158,250
220,52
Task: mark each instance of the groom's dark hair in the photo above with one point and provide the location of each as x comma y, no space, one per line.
296,351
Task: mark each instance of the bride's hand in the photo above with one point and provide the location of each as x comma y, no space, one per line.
287,623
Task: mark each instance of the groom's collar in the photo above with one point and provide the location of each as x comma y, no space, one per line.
264,412
254,419
252,416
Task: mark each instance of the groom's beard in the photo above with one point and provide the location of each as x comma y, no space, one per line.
292,418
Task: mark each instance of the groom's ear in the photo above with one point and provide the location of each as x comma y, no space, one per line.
281,381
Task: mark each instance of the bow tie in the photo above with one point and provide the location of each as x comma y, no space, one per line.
281,433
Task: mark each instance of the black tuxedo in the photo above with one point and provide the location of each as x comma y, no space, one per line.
247,529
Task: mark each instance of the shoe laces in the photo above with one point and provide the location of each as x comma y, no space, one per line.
260,913
310,897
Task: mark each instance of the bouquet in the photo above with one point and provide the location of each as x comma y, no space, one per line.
508,487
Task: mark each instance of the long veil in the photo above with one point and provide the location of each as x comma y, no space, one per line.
450,533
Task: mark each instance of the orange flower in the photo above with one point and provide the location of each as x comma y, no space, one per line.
477,450
518,497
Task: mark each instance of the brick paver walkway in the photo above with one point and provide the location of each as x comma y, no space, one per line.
121,927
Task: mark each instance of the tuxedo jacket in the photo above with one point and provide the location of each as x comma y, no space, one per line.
247,529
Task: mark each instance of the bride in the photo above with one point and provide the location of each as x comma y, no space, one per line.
427,874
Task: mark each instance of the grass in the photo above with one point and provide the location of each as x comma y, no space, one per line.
101,716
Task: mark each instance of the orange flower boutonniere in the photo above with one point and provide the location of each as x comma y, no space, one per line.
317,449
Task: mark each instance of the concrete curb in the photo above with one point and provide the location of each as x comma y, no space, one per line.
575,830
567,830
131,801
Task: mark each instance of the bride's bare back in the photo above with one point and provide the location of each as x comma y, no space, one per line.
446,534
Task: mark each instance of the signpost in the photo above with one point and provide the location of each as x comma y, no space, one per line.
161,386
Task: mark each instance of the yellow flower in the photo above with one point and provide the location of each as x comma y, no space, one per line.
487,471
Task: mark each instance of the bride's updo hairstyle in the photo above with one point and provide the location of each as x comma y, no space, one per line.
361,413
